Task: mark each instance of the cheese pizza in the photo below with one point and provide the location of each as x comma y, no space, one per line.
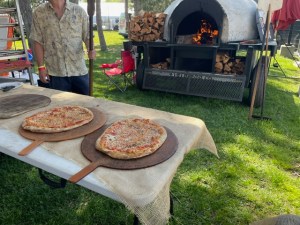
131,138
58,119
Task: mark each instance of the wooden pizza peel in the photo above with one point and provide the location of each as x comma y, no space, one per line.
98,158
38,138
15,105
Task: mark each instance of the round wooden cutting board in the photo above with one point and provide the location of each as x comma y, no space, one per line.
168,148
15,105
98,158
38,138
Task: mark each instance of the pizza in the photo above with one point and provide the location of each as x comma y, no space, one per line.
131,138
58,119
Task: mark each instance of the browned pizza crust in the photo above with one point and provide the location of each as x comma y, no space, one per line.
58,119
131,138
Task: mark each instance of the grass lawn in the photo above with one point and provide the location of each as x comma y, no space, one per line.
256,176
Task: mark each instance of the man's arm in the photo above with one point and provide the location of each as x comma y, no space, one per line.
39,53
39,56
91,53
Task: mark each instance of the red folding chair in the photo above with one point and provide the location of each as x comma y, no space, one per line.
120,73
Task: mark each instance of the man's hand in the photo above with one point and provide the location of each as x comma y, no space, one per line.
43,75
92,54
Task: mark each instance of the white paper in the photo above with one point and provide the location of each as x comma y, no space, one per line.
8,84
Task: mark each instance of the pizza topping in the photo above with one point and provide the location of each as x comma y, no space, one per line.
131,138
58,119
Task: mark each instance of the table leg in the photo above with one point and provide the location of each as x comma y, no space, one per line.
171,205
136,220
52,183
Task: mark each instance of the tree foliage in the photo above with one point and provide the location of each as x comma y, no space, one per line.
26,12
7,3
155,5
146,5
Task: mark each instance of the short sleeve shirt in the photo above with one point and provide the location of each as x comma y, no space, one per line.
62,39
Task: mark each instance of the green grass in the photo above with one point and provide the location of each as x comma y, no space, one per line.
256,176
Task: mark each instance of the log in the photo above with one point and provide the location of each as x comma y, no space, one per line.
227,68
219,58
219,66
161,65
226,58
136,28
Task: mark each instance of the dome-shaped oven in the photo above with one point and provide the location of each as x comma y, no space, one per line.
231,20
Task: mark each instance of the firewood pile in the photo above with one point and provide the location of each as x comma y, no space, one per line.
147,26
162,65
227,65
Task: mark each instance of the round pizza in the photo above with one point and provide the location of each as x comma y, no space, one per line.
131,138
58,119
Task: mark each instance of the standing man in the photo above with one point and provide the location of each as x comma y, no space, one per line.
59,30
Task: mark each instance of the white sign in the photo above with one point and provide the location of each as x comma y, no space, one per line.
264,5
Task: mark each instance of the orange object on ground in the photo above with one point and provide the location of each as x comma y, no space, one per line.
10,33
7,32
4,74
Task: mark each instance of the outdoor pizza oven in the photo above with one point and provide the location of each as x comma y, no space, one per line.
209,49
216,20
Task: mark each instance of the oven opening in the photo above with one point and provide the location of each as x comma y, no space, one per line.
198,28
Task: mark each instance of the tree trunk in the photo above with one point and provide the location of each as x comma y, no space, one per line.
103,45
26,12
137,4
127,18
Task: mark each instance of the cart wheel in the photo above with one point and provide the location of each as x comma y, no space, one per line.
140,75
260,86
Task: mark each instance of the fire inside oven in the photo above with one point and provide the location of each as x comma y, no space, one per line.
198,28
206,34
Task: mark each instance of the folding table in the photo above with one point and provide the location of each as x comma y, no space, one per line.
147,192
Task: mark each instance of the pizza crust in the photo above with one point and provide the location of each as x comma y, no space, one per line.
131,138
58,119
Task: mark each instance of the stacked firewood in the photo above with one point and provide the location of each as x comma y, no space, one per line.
228,65
147,26
161,65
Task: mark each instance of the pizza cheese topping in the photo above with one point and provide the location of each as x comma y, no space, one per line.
131,138
58,119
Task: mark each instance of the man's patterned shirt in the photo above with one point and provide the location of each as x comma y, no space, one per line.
62,39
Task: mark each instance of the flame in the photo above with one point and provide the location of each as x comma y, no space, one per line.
205,34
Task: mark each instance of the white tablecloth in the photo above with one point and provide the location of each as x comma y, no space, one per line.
144,191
